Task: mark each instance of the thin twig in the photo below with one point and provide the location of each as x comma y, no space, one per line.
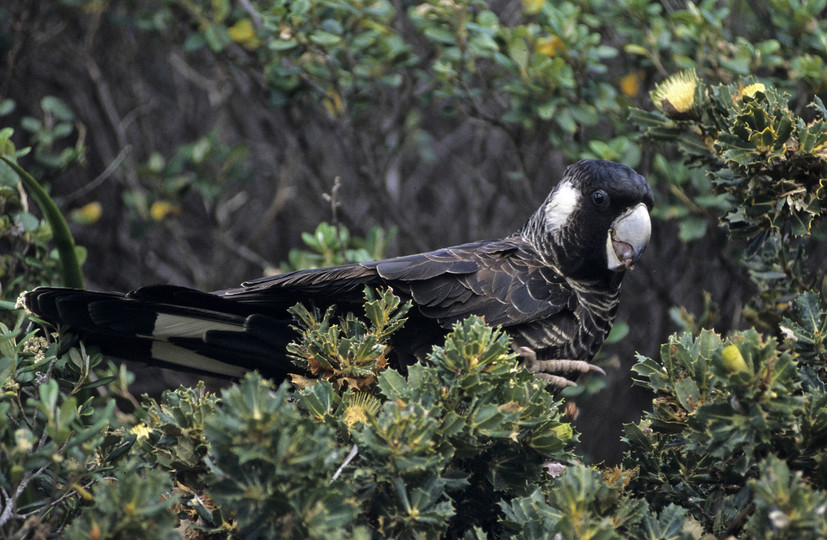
334,212
352,454
101,178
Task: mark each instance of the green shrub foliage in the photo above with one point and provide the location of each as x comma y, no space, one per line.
431,454
724,410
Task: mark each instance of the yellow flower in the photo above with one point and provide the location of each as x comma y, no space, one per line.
550,46
532,7
675,96
752,89
244,33
361,406
162,209
141,430
630,84
23,441
88,213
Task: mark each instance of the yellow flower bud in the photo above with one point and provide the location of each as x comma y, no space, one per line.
733,359
630,84
141,430
244,33
88,213
361,407
563,432
163,209
550,46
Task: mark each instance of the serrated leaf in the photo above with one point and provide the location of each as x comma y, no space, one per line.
687,393
392,383
317,399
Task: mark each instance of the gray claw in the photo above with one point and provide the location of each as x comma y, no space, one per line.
548,370
555,380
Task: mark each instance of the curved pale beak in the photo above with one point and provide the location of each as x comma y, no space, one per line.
628,237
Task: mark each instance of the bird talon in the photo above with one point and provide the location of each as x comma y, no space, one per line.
555,380
553,371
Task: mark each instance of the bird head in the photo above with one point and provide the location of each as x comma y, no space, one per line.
595,221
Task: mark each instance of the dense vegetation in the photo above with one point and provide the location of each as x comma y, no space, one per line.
159,127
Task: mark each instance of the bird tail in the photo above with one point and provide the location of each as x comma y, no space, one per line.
170,326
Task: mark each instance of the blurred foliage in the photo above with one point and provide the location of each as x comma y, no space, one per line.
67,253
50,134
331,245
466,444
205,166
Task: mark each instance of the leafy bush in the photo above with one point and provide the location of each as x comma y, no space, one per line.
724,409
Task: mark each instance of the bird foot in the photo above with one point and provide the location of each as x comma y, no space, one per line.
553,372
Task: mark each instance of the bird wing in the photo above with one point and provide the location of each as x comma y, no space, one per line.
503,281
335,285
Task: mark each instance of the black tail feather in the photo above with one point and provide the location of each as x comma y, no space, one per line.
171,327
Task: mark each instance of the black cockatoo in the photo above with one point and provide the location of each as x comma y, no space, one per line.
553,286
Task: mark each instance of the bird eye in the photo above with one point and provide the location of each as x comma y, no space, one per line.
600,198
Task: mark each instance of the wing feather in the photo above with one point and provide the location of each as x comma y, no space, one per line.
503,281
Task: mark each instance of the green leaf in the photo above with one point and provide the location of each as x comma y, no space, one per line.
392,384
635,436
58,108
440,35
325,39
670,523
688,394
7,106
585,115
618,332
518,51
317,399
27,221
691,229
282,44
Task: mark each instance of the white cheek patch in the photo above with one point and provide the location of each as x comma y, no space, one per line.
564,201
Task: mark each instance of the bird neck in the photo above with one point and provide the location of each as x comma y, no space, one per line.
572,257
